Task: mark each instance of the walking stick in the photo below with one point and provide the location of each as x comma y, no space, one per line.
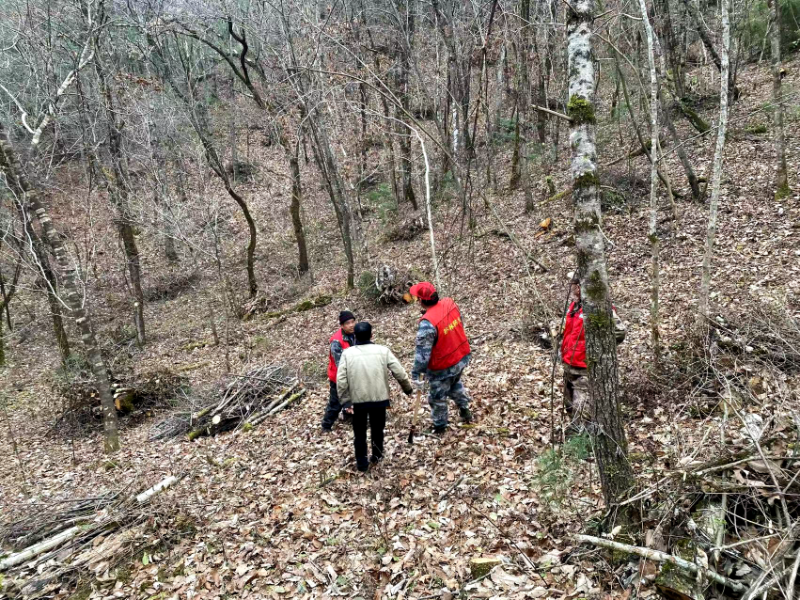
553,374
415,416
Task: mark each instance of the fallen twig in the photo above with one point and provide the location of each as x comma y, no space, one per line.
658,556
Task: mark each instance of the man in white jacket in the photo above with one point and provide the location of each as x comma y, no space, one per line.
363,384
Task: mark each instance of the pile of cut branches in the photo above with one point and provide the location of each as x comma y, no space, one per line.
245,402
728,527
134,395
51,548
763,333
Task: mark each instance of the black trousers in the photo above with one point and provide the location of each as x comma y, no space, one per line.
375,414
333,409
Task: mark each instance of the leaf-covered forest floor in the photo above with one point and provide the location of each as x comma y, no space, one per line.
280,512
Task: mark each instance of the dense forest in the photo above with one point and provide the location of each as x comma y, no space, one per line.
200,199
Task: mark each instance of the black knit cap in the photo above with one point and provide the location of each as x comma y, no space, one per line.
345,316
363,332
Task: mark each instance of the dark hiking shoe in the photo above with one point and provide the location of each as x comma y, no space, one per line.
363,469
375,459
466,414
439,429
324,429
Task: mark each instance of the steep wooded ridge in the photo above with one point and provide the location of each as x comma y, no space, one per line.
191,192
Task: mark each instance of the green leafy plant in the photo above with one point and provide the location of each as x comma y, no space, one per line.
757,128
366,286
754,24
557,468
382,200
504,132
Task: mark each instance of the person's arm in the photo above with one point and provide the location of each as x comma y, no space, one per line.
342,385
399,372
619,327
336,351
426,338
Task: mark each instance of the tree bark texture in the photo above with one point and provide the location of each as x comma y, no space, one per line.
606,427
524,106
297,223
7,295
42,260
713,209
652,233
782,178
161,193
675,59
42,263
405,10
74,299
326,162
117,186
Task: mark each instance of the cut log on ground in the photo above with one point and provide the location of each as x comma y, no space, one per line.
261,306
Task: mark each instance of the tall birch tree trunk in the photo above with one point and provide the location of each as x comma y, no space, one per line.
42,261
713,209
10,164
611,447
652,233
782,178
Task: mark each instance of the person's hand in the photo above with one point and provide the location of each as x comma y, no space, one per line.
349,410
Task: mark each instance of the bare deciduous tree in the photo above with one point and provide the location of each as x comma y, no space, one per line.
28,199
713,207
782,175
611,447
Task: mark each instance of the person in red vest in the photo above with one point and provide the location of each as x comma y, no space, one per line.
442,353
573,357
339,342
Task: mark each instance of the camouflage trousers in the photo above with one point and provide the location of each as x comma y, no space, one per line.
440,391
577,400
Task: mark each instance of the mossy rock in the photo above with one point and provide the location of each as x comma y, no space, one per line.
480,567
676,584
195,345
82,593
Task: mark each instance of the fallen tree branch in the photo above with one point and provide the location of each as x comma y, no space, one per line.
552,112
664,557
91,525
25,555
146,495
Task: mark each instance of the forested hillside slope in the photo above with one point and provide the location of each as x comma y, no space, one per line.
193,192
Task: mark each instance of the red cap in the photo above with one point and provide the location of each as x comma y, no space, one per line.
423,291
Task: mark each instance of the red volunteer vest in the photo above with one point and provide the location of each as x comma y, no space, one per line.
451,341
573,346
332,368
